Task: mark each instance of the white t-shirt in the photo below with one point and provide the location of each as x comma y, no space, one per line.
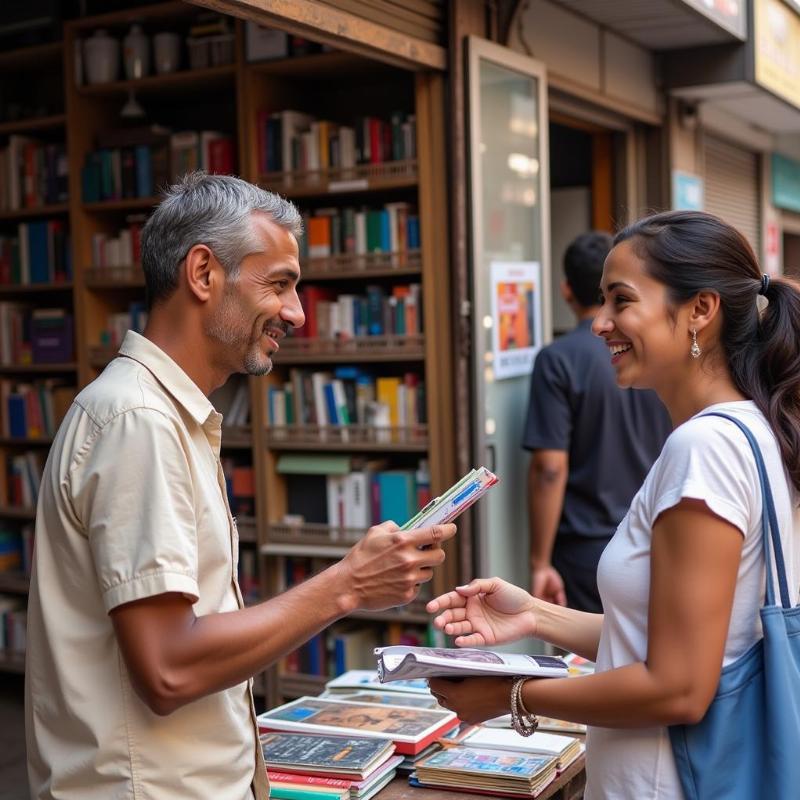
707,459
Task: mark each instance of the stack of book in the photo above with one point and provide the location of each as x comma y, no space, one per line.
34,336
336,767
121,250
20,478
411,730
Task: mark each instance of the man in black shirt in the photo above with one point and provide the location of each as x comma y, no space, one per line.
592,443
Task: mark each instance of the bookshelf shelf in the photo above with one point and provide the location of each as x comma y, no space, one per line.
202,79
333,66
33,124
14,582
237,437
312,535
37,55
12,661
27,441
332,551
347,437
344,447
298,350
34,288
350,180
31,213
371,265
124,204
21,369
15,512
114,277
247,528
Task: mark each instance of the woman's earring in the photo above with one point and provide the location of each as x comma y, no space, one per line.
694,350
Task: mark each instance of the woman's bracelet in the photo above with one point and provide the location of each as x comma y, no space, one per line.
522,721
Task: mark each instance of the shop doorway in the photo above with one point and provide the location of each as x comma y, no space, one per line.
583,193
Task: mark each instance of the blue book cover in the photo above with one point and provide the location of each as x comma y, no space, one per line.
330,403
374,310
37,252
412,233
144,171
17,425
397,495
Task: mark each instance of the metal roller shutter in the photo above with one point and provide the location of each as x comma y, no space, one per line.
732,187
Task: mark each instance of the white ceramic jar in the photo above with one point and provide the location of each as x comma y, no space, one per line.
166,52
101,57
136,53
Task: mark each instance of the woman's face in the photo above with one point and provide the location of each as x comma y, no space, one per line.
648,340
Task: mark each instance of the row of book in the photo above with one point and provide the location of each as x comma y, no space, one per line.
16,548
33,410
13,625
38,253
351,492
119,323
381,311
20,478
394,228
35,335
123,249
292,140
347,396
140,170
32,173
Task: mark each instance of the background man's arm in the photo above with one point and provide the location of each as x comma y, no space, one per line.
547,483
175,657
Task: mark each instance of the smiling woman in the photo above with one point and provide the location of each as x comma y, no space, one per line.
682,580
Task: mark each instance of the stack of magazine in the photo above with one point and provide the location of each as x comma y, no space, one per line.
331,767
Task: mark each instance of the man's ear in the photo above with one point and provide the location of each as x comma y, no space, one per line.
199,270
704,310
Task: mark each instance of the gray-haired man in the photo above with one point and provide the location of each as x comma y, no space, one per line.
139,647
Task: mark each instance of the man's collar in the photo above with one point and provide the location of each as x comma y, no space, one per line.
168,374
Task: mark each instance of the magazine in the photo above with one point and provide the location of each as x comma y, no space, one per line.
402,662
564,748
352,757
386,698
471,767
411,729
368,679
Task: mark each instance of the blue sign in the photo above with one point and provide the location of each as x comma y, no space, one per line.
687,191
785,183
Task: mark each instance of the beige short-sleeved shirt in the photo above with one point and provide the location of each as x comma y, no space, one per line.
132,504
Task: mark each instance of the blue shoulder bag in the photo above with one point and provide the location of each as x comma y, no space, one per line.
748,744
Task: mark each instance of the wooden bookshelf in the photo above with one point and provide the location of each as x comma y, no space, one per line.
33,124
7,289
333,85
14,583
12,661
22,214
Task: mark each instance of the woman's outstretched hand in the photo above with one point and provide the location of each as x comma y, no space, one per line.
487,611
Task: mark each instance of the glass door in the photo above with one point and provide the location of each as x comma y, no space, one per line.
510,262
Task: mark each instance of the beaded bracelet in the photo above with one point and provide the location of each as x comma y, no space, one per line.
522,721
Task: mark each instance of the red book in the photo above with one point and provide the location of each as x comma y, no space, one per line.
375,141
308,780
221,156
312,296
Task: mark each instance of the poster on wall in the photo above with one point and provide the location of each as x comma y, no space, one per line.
516,316
687,191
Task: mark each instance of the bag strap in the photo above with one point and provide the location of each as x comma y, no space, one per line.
769,519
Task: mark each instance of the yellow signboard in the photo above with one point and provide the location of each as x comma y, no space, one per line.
777,49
